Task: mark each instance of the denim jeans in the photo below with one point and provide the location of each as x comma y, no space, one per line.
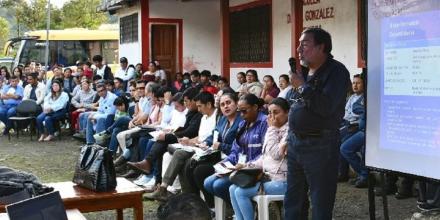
99,124
7,111
349,150
218,186
82,121
121,124
49,120
344,166
312,163
241,198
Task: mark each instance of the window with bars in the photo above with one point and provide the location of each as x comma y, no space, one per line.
128,29
250,35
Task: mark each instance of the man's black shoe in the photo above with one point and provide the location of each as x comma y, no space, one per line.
427,207
131,174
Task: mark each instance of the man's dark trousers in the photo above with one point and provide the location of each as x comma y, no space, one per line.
312,164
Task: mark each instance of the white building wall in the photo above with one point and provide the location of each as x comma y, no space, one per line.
133,51
201,30
342,26
281,35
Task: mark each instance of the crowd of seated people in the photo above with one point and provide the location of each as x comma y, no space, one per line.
197,112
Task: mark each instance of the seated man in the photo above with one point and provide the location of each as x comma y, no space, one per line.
180,162
34,90
94,121
189,130
351,123
10,97
177,120
141,111
118,86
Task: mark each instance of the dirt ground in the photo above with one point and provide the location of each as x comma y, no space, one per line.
55,161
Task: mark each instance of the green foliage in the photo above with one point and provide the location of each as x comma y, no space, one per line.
4,31
82,13
32,14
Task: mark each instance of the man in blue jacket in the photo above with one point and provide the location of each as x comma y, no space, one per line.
314,120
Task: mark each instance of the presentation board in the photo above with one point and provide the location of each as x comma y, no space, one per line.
403,92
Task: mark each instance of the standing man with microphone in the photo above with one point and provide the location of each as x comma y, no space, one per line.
314,119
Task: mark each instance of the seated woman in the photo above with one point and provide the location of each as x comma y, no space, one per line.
224,132
272,161
285,86
82,101
252,85
270,89
150,75
54,108
246,146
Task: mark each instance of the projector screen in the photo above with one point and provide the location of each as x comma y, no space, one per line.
403,92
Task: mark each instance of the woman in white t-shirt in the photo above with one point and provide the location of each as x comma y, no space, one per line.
285,86
150,75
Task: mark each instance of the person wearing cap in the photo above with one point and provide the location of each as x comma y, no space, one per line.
88,120
103,70
126,72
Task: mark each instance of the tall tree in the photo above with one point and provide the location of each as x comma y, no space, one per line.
4,31
32,14
82,13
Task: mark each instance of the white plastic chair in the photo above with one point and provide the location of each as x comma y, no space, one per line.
219,207
263,204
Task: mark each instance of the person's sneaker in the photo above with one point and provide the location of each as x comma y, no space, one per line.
101,137
142,180
173,189
150,185
427,207
120,161
361,183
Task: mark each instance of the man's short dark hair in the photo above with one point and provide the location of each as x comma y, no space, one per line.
100,85
119,79
214,78
195,73
13,77
191,93
184,206
205,98
178,97
34,75
123,60
206,73
109,82
97,58
320,36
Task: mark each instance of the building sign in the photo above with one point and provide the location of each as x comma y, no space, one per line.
316,11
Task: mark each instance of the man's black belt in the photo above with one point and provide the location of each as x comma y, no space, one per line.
313,134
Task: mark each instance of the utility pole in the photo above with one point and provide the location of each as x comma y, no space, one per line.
47,37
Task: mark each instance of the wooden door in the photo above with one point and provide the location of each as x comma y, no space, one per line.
164,47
